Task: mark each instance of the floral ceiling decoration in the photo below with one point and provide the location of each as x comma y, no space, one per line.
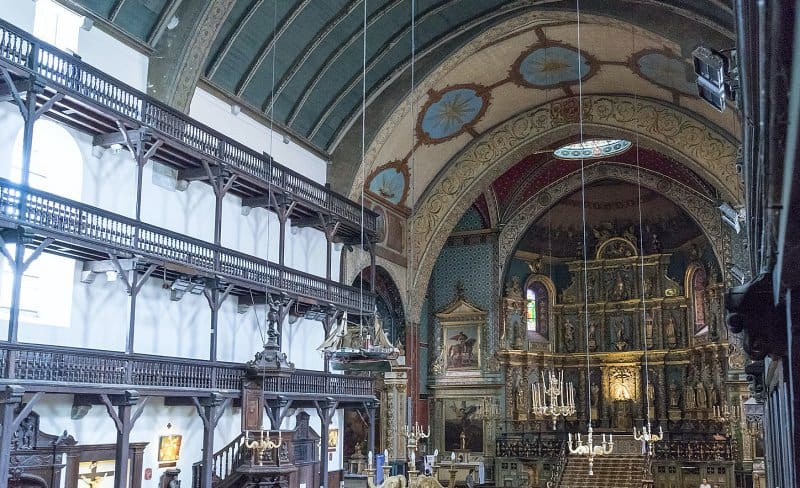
552,65
451,111
665,69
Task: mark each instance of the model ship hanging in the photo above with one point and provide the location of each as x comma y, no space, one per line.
360,347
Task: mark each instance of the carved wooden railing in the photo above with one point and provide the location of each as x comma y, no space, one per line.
69,366
528,446
695,450
51,215
72,76
225,461
317,383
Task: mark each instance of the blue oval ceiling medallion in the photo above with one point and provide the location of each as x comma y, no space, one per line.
390,182
552,66
451,111
593,149
665,69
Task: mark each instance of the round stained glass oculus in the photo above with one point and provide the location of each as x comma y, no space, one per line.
593,149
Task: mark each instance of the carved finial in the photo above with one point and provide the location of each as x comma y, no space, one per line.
460,290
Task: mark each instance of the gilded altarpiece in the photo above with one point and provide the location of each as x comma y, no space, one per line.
633,306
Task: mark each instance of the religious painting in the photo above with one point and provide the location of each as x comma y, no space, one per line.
169,450
96,474
463,426
333,438
462,346
389,182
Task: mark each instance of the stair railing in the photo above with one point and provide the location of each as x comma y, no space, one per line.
224,462
558,469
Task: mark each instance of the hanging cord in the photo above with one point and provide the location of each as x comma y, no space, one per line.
583,221
267,300
363,158
641,251
412,186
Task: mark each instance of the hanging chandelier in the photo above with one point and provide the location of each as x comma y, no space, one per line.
647,437
554,398
578,448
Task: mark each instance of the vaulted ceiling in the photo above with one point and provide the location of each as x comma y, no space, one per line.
316,47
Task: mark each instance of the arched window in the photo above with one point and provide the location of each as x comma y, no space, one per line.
56,166
531,306
537,308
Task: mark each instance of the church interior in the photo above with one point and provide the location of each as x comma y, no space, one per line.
399,243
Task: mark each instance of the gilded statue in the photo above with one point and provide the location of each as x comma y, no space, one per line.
700,396
670,332
688,396
618,290
673,395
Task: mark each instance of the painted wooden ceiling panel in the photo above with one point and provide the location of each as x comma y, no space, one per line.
256,87
140,18
319,45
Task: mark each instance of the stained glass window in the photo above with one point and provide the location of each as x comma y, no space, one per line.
531,318
592,149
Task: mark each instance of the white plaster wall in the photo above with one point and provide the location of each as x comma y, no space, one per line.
217,114
100,310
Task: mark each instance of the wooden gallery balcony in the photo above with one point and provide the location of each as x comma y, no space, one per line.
89,100
87,233
74,370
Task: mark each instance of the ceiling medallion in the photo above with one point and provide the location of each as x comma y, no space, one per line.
451,111
593,149
665,69
552,65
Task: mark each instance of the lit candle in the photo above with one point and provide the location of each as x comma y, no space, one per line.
604,438
610,438
569,436
435,453
413,459
453,457
369,459
386,456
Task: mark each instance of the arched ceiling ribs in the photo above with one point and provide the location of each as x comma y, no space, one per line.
115,10
383,83
331,61
268,46
298,61
227,43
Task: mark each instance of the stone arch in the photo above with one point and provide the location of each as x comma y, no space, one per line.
701,209
692,142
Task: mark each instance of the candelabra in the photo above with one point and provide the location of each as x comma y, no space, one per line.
648,438
259,446
589,449
553,399
413,437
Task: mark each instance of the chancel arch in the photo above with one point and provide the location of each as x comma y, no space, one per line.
692,142
701,209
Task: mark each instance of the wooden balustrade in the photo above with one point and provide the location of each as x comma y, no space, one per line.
70,366
51,214
72,76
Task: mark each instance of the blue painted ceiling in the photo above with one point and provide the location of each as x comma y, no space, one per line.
316,47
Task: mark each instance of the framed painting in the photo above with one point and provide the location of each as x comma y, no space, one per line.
463,426
462,346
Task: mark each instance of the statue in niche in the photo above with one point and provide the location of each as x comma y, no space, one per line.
670,334
648,329
592,336
595,395
569,335
688,396
655,244
673,395
519,389
700,395
713,396
619,333
619,290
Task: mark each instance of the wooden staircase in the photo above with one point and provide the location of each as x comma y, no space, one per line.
610,471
